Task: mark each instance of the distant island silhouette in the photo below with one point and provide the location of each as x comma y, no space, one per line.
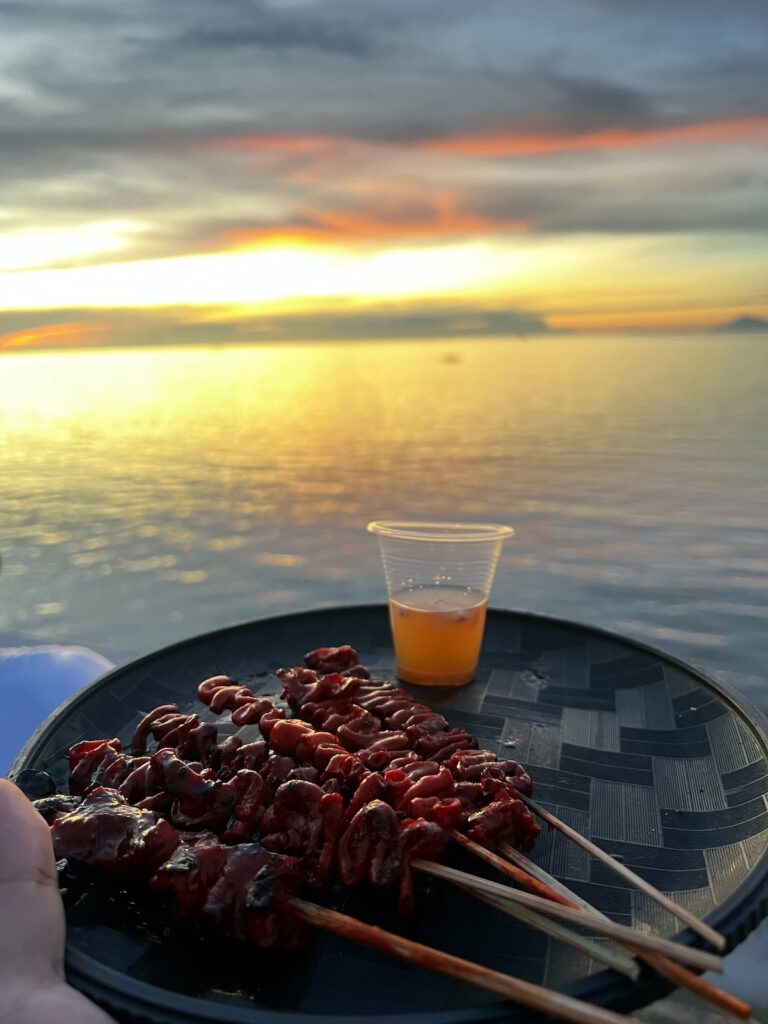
745,323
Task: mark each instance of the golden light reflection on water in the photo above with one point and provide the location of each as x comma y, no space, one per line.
150,494
107,389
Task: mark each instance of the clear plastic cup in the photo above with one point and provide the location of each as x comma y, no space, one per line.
439,576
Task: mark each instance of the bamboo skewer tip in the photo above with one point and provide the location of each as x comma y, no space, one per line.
685,954
678,975
681,913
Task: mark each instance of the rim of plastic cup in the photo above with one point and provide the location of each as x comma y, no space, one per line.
439,532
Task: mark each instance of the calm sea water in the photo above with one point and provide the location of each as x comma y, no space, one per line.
149,495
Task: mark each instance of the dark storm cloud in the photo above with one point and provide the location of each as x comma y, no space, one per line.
269,29
49,14
683,9
558,101
162,64
591,104
429,68
735,83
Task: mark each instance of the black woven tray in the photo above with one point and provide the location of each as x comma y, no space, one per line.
660,765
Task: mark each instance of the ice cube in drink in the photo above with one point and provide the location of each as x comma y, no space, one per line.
437,633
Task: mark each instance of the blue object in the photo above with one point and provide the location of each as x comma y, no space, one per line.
34,681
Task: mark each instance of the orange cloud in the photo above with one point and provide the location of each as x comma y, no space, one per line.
514,144
65,335
510,143
325,227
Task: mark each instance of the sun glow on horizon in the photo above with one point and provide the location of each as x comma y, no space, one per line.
34,249
575,282
270,275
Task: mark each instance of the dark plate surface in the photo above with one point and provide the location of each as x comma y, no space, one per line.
656,762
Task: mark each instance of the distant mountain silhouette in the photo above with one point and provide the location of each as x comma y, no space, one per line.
745,323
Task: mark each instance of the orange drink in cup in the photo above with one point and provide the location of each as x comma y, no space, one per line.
437,634
439,576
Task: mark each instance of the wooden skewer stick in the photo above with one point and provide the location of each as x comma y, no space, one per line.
542,876
685,954
674,972
533,996
681,913
611,956
516,872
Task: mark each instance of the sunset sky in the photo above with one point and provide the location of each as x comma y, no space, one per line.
214,170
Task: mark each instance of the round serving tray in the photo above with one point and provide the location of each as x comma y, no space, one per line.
660,765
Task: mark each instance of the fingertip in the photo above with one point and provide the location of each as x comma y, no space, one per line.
28,856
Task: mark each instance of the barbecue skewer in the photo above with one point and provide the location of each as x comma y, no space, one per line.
342,659
681,913
387,703
513,871
471,883
250,893
612,957
527,994
685,954
474,886
673,972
